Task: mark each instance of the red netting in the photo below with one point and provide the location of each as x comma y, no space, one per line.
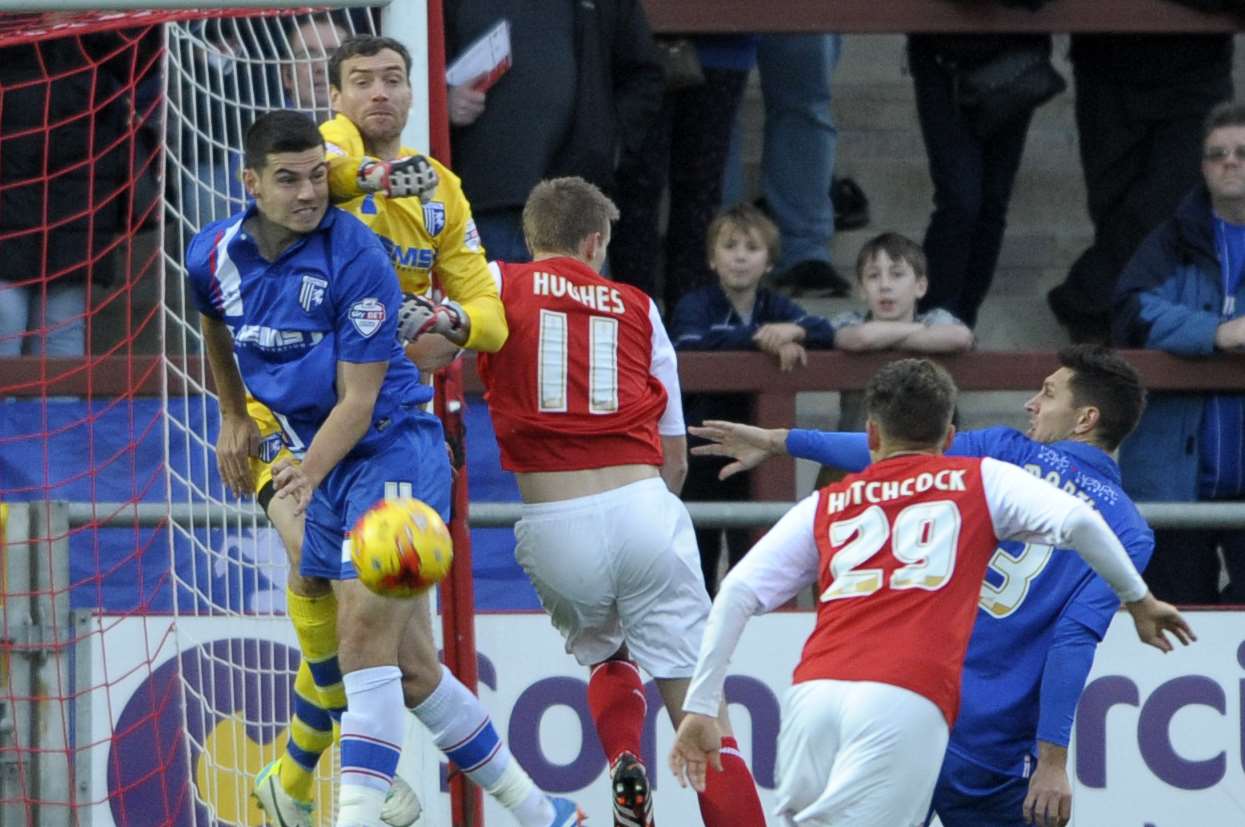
80,209
118,141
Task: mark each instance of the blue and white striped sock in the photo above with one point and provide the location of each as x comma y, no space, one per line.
463,730
371,741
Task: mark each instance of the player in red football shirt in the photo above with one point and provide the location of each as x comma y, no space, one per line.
585,403
898,553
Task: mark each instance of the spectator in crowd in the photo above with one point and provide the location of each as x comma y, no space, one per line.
1183,292
891,273
972,163
686,147
304,72
214,99
585,81
67,131
738,314
797,161
1140,102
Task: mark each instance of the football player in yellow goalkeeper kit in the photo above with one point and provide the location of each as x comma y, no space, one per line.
417,208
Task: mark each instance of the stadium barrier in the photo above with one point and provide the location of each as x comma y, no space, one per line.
752,373
704,514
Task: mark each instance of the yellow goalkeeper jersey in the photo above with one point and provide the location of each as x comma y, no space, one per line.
437,236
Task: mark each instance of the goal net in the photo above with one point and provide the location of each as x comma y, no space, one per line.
146,663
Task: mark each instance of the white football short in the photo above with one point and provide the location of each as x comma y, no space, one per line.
857,752
615,567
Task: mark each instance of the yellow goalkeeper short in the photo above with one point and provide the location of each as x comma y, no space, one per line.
271,449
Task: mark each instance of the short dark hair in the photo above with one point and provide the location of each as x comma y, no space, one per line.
912,401
745,218
898,248
1102,379
282,130
561,212
1228,113
364,45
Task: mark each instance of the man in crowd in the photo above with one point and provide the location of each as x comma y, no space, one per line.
1182,292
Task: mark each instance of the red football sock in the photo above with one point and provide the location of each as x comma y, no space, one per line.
616,701
730,798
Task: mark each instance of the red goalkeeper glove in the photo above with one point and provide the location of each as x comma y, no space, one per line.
420,314
409,175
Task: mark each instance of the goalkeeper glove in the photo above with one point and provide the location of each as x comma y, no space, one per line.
420,314
409,175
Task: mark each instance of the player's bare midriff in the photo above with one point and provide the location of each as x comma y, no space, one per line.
551,486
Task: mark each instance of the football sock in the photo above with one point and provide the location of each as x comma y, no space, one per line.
730,798
310,734
616,701
315,625
371,742
462,729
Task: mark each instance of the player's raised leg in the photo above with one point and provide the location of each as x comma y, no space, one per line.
319,697
618,706
655,600
664,624
463,729
284,788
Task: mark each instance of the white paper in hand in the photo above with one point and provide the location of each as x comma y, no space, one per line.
483,62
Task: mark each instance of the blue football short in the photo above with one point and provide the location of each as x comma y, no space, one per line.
413,464
970,795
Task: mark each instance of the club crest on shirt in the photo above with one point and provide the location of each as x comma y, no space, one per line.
434,217
367,315
270,446
311,294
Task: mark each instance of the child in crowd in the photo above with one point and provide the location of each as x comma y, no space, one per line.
737,314
890,271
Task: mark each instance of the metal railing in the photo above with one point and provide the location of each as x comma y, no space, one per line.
704,514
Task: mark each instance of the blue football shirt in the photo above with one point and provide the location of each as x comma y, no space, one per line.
1029,589
330,296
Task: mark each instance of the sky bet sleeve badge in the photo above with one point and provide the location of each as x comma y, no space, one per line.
367,315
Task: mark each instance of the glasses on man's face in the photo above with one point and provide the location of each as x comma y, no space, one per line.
1219,154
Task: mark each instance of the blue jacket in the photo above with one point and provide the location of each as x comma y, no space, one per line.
705,320
1169,298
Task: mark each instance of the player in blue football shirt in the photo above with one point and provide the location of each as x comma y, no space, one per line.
1042,613
299,304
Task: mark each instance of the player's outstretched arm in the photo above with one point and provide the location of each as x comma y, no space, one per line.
747,445
1154,619
358,385
1097,544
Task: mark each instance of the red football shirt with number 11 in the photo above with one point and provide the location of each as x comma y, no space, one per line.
573,386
